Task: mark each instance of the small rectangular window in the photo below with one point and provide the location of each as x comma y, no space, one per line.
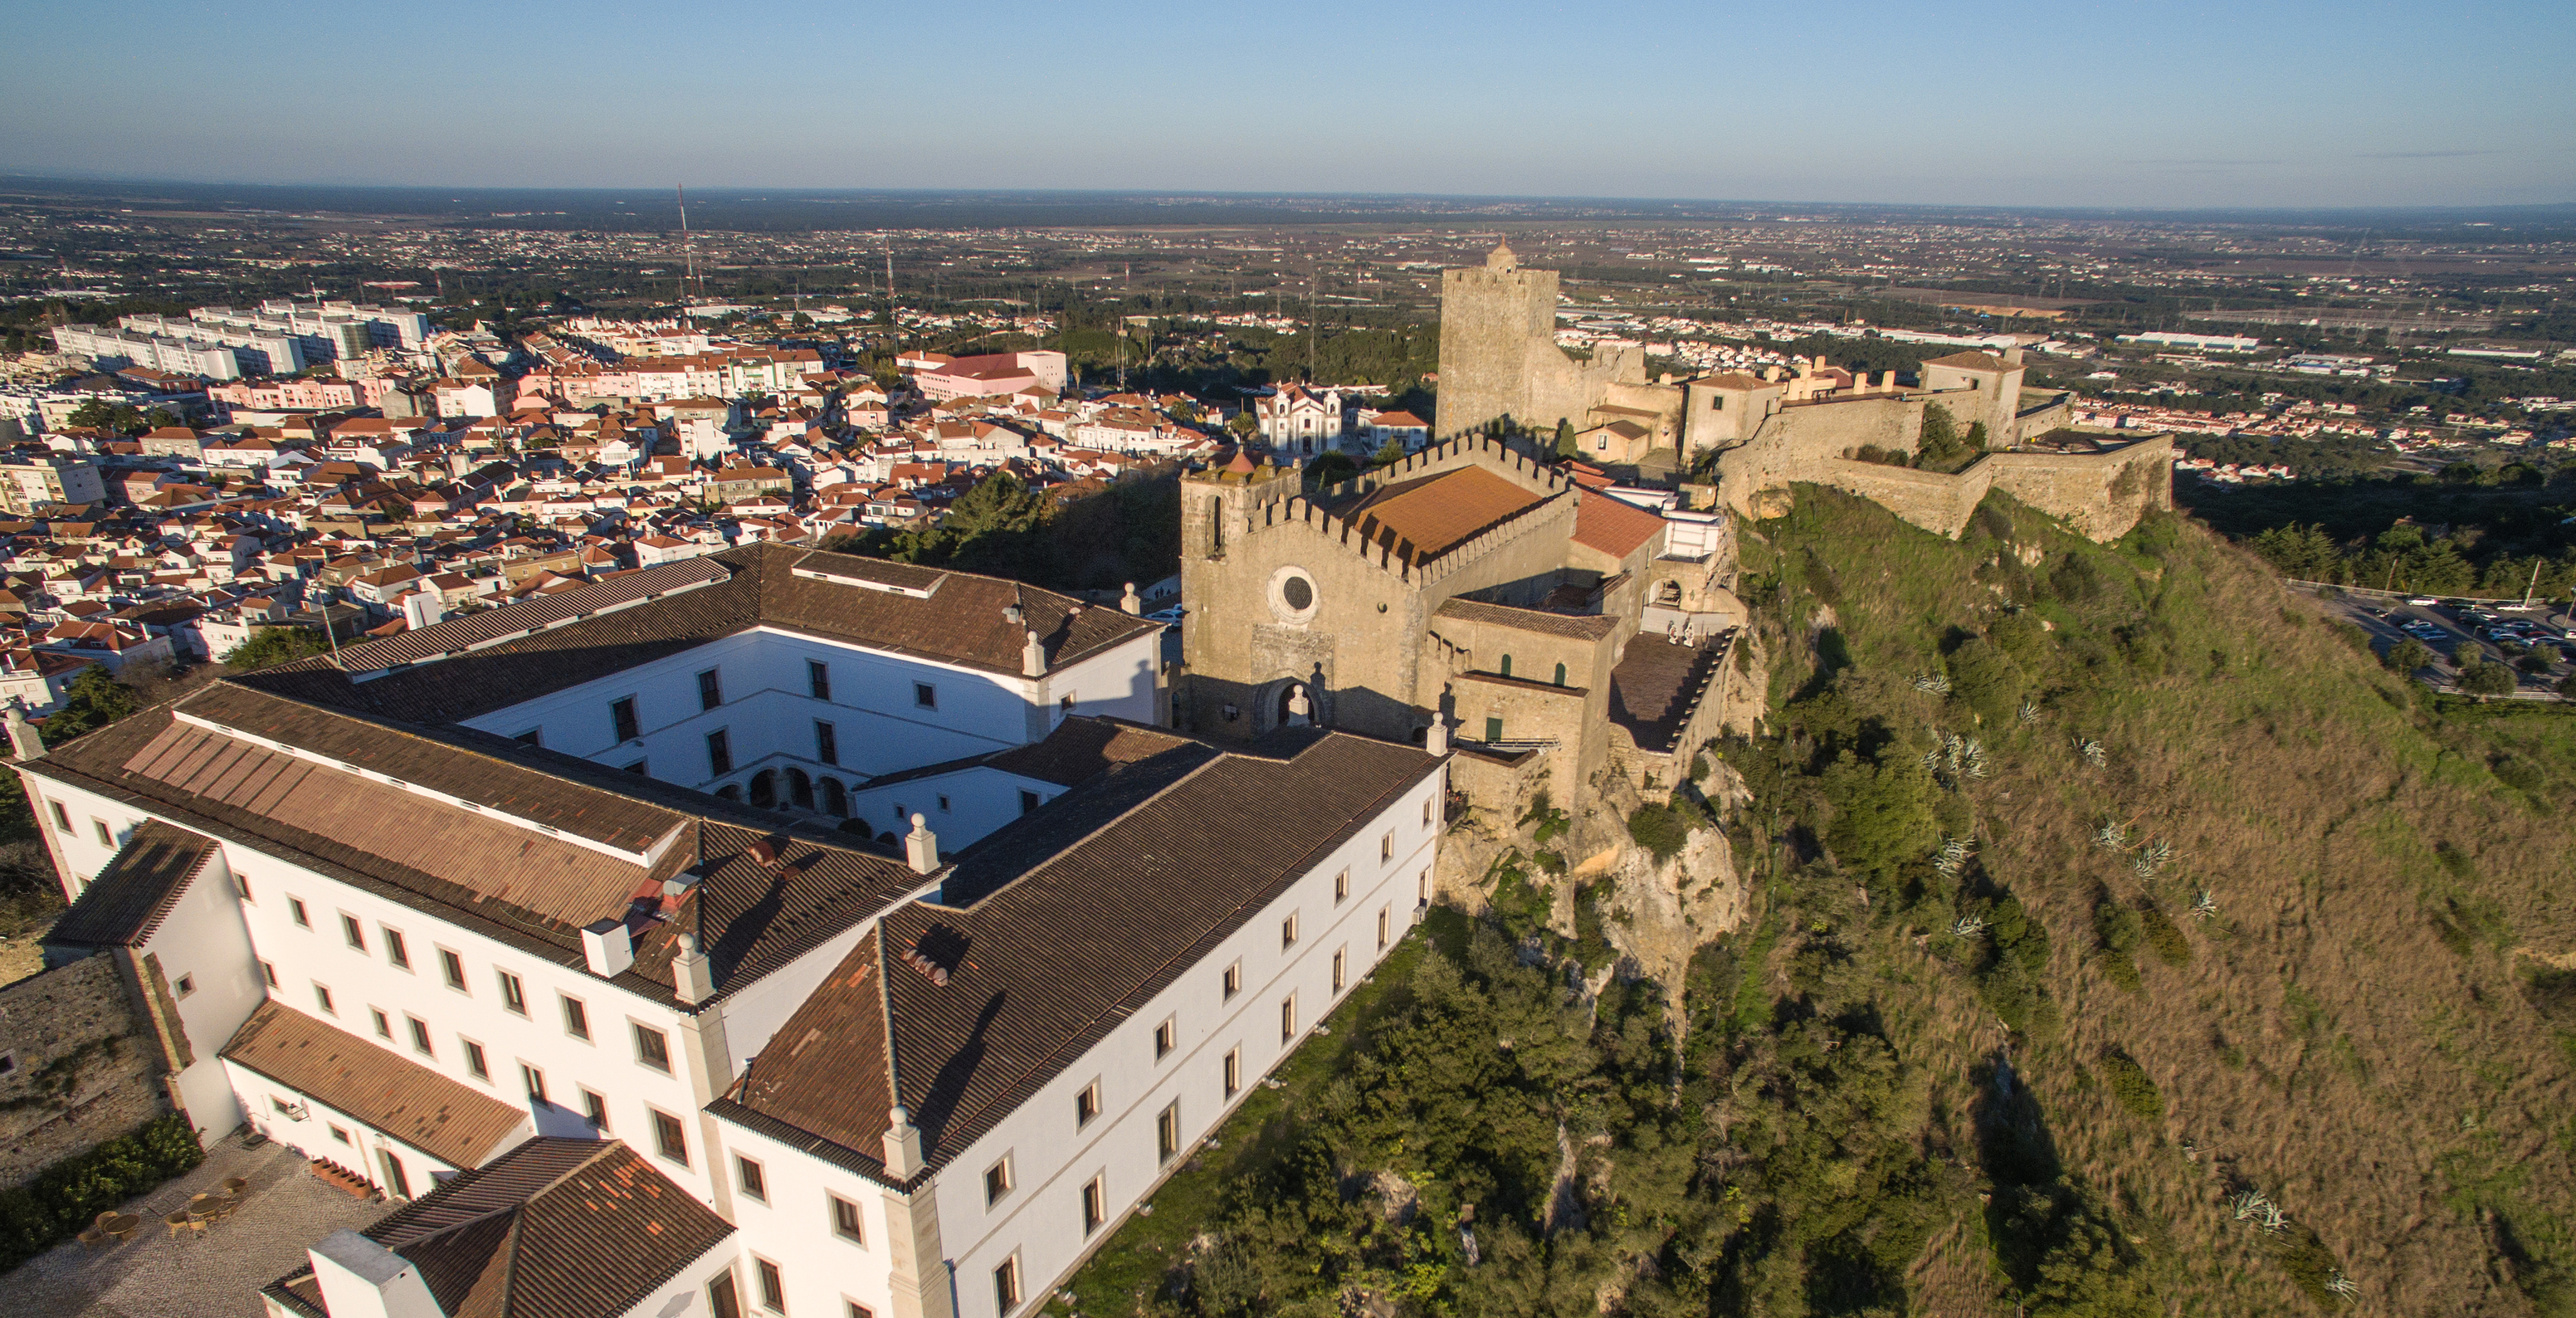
1386,847
105,838
533,736
1233,979
62,817
534,1080
1167,1036
1381,927
514,995
1426,811
858,1310
1095,1204
576,1018
1028,800
453,967
1288,932
720,1297
710,689
827,743
268,971
1006,1285
474,1063
1288,1018
997,1182
295,909
719,753
1341,887
670,1137
640,768
420,1036
1234,1071
943,803
341,1134
818,679
1086,1105
621,712
925,696
187,984
384,1025
353,931
652,1049
241,884
845,1221
322,995
1340,968
754,1181
397,952
773,1288
1167,1133
595,1106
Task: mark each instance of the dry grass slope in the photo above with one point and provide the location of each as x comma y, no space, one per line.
2350,1034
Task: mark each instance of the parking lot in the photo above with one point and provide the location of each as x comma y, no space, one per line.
2513,636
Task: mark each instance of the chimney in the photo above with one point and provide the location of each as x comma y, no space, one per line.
1436,739
1129,601
421,608
1011,613
362,1279
25,743
693,975
1032,656
902,1144
921,847
607,946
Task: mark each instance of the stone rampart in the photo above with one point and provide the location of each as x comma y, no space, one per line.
81,1070
2097,495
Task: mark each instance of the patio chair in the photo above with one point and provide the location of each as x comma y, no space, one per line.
94,1238
183,1221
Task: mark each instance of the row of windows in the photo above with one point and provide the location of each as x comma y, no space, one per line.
629,726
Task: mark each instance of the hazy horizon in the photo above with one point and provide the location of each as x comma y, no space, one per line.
2185,107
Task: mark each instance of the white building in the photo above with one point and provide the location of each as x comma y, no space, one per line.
562,869
1302,420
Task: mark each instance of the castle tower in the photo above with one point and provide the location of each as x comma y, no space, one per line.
1495,320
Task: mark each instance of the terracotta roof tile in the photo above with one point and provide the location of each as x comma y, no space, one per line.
420,1107
1435,514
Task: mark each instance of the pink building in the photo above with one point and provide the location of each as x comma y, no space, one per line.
992,374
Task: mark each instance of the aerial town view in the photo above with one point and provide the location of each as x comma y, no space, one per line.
645,687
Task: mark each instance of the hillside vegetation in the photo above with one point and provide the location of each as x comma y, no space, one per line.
2125,942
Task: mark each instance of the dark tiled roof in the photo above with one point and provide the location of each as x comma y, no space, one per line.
1573,626
402,1098
456,635
126,902
555,1228
959,621
1654,686
1072,919
1081,749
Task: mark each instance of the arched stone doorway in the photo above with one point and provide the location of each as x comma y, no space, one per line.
800,789
764,789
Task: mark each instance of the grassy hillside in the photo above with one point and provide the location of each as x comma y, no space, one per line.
2211,907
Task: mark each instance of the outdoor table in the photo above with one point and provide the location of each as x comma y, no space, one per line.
235,1186
122,1225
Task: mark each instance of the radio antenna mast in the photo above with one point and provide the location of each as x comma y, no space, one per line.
688,250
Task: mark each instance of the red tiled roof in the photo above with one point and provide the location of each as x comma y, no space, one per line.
1613,527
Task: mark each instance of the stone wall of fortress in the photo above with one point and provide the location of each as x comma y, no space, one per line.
2098,495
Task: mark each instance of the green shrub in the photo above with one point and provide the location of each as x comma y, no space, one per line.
2170,946
1986,680
2131,1085
66,1197
1660,829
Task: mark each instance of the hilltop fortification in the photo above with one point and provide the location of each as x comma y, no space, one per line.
1757,434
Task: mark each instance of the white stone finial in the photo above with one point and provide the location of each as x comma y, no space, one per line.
902,1144
1033,659
1130,602
1436,739
25,743
921,847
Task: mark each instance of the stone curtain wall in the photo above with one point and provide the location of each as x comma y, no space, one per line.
82,1071
2098,495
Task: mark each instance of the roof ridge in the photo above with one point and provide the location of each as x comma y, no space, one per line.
1219,756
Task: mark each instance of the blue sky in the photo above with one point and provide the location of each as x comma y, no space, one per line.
2084,104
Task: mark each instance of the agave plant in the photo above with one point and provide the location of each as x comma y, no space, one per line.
1932,682
2153,857
1953,856
2029,711
2111,835
2342,1285
2204,904
2253,1206
1968,926
2092,753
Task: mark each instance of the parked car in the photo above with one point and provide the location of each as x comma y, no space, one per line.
1170,618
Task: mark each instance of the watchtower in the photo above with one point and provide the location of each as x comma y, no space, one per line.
1493,321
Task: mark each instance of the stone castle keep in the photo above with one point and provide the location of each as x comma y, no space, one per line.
1499,362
